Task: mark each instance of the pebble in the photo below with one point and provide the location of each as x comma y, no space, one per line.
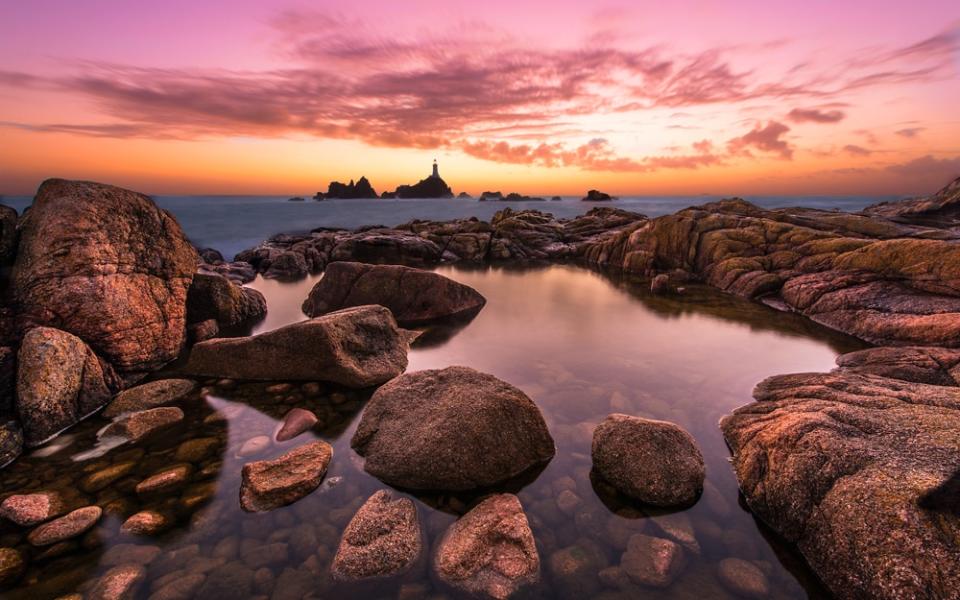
743,578
28,510
12,566
98,480
65,527
145,522
118,583
254,445
167,480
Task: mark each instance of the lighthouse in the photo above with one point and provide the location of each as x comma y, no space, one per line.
436,170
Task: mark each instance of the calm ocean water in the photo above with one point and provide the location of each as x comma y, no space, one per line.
233,223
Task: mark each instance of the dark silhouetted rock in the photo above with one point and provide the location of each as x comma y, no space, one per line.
464,196
108,266
149,395
269,484
360,189
382,540
216,297
596,196
287,265
939,210
654,462
490,551
356,347
8,234
450,429
414,296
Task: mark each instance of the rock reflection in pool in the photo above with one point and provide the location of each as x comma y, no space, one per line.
580,343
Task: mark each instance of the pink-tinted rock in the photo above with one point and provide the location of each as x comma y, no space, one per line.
269,484
651,561
145,522
28,510
149,395
119,583
66,527
171,478
137,425
382,540
294,423
743,578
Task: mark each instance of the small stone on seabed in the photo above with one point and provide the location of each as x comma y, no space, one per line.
145,522
119,583
297,421
28,510
98,480
743,578
66,527
137,425
12,565
169,479
652,561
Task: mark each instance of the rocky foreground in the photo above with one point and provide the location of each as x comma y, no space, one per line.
858,467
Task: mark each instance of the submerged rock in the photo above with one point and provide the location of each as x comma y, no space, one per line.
66,527
490,551
28,510
743,578
356,347
119,583
414,296
149,395
8,234
12,566
450,429
215,297
135,426
11,442
269,484
59,382
382,540
652,561
654,462
108,266
859,471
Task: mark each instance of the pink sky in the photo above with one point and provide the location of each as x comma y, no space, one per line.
551,97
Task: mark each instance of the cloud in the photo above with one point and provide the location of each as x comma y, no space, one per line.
813,115
928,168
767,138
855,150
909,132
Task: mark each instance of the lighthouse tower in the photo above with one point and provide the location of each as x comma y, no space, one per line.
436,170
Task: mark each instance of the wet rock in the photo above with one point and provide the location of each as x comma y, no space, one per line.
263,555
490,551
356,347
119,583
575,569
145,522
100,479
288,266
651,561
8,234
214,297
149,395
202,331
129,554
269,484
12,566
169,479
743,578
182,587
254,445
450,429
28,510
138,425
108,266
11,442
59,382
196,450
65,527
383,539
679,528
661,285
414,296
232,580
860,472
295,422
654,462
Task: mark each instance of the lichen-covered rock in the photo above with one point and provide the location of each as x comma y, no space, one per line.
269,484
356,347
149,395
108,266
860,471
654,462
28,510
490,551
59,382
215,297
414,296
68,526
451,429
383,539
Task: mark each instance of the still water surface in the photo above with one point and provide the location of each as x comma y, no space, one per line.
580,343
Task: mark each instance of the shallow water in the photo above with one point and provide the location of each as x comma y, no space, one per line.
580,343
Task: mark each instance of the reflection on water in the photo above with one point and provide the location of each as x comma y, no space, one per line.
580,343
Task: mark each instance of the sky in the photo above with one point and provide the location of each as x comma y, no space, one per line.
700,97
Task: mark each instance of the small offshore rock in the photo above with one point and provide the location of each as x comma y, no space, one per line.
451,429
28,510
269,484
295,422
654,462
383,539
66,527
148,395
490,551
652,561
743,578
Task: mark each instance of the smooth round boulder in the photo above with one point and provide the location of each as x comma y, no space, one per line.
451,429
655,462
382,540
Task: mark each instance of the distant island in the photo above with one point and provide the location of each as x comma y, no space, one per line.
432,186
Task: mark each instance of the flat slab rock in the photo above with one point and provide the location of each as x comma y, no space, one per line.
655,462
414,296
138,425
490,551
450,429
149,395
383,539
357,347
860,471
68,526
269,484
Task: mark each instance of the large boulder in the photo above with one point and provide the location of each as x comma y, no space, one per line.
384,539
108,266
655,462
451,429
357,347
490,551
269,484
59,382
414,296
213,296
861,472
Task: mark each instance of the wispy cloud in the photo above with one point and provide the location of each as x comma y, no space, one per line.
815,115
